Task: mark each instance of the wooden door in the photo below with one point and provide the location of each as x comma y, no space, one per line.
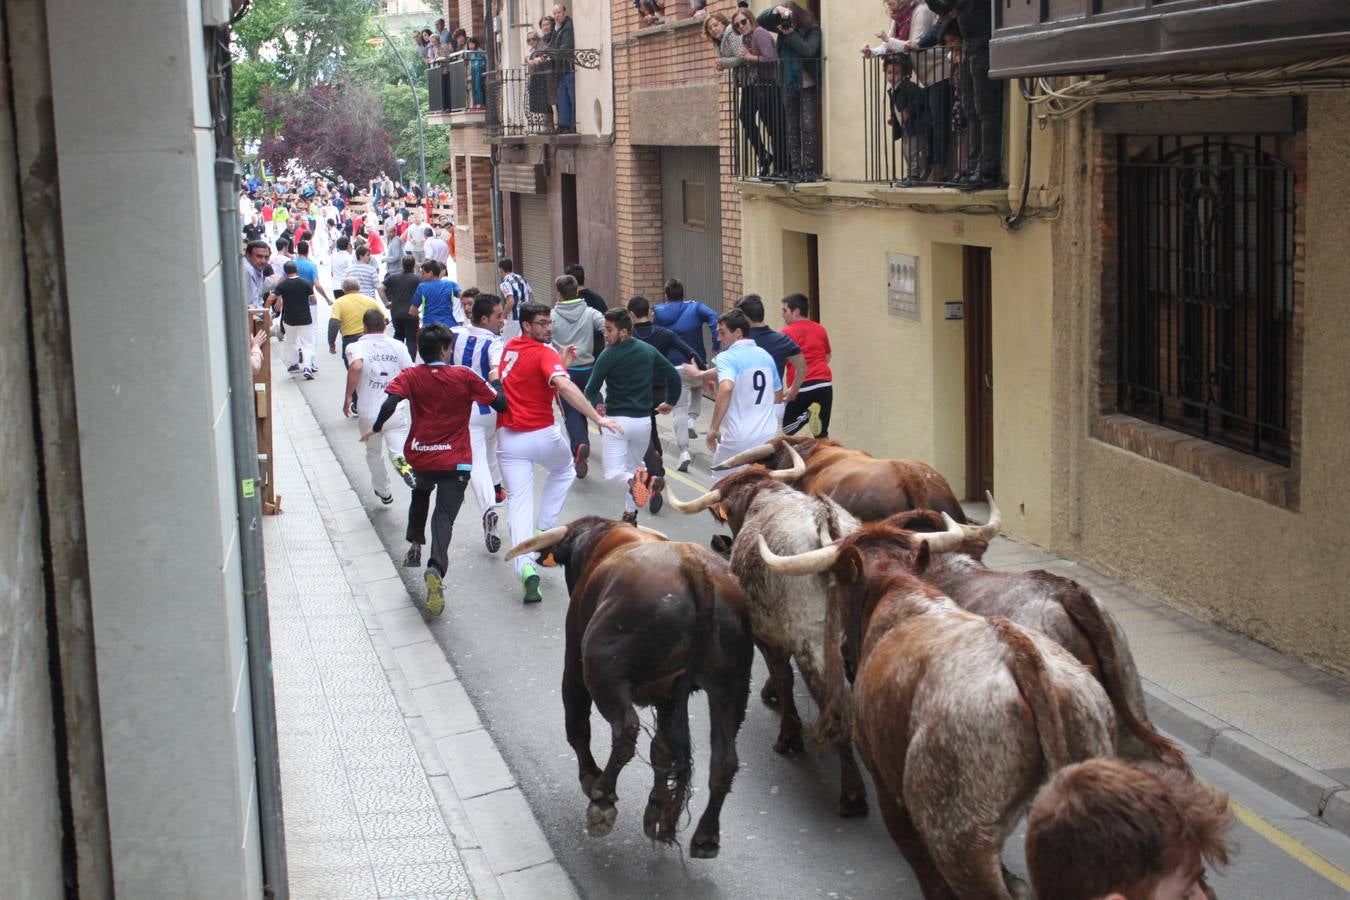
691,222
977,291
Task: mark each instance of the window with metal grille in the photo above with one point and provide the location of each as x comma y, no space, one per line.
1206,287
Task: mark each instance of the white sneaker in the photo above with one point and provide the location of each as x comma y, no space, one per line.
685,460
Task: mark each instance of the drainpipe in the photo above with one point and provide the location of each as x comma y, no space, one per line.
498,239
267,762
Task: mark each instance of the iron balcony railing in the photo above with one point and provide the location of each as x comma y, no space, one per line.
776,120
523,100
914,127
457,82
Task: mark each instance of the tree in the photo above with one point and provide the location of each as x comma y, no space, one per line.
333,128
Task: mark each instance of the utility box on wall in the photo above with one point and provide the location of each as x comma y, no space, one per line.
902,286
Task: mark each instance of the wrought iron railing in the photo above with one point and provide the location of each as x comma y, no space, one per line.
457,82
914,127
523,100
776,120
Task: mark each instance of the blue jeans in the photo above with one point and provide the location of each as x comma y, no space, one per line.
567,100
573,421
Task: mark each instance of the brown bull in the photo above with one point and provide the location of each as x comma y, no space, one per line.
959,718
649,621
870,488
1061,608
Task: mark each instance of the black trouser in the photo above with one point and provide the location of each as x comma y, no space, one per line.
802,402
449,488
574,423
652,460
347,341
405,330
939,96
982,98
803,129
763,100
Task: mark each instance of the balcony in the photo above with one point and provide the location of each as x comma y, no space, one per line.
770,141
522,101
1053,37
457,88
914,131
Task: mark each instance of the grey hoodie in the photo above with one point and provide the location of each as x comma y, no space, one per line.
576,323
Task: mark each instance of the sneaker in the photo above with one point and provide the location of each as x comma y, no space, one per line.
685,460
529,581
413,557
817,425
353,404
435,592
658,495
386,499
640,486
308,373
796,424
294,368
490,538
404,469
499,493
581,459
630,517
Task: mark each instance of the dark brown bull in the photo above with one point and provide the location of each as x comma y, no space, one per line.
649,621
959,718
1065,611
870,488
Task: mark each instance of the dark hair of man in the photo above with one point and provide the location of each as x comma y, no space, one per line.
283,244
639,306
469,292
433,341
753,307
531,311
302,248
674,289
950,29
1104,827
504,264
373,321
577,272
735,320
407,263
621,319
566,287
344,243
798,303
362,251
483,305
255,245
432,267
290,268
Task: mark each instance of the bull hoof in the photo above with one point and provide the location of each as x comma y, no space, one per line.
789,744
705,848
853,807
600,816
768,695
650,817
588,783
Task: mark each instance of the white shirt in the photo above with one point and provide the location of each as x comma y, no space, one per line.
382,358
342,261
437,249
751,370
416,237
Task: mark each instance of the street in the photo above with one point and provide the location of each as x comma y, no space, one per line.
780,833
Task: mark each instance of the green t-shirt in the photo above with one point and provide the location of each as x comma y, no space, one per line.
628,371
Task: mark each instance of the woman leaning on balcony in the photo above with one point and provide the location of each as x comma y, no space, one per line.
538,105
799,46
744,46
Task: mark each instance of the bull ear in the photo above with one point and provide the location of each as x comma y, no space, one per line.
849,567
922,557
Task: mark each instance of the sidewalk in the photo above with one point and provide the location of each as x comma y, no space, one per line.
1270,718
390,785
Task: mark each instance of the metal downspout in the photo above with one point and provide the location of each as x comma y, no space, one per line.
494,153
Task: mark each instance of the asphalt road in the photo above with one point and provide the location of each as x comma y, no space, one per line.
781,836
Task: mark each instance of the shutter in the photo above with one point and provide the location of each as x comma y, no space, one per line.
536,248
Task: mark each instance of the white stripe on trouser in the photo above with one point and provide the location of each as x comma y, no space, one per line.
728,449
298,338
624,452
486,472
518,452
687,410
389,442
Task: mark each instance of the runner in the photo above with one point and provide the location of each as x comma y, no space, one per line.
533,374
627,370
677,352
293,298
364,271
783,349
441,397
747,385
478,346
575,325
687,318
816,397
309,271
397,294
516,292
436,296
342,261
372,362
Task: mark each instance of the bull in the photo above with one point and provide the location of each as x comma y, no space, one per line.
869,488
958,717
649,621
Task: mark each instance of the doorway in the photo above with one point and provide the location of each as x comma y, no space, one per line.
691,222
976,291
801,268
571,253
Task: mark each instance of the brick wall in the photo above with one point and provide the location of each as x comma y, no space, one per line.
480,208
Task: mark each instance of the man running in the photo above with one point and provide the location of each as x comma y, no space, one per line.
687,318
341,262
346,317
364,271
435,247
533,375
747,385
478,345
516,292
293,298
397,294
436,296
816,389
677,352
441,397
627,369
373,362
783,349
309,271
574,326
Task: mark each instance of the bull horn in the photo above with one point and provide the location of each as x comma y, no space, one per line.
543,541
943,541
985,532
693,506
652,531
745,457
798,467
812,562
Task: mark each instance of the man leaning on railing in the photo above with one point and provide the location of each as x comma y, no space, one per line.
564,43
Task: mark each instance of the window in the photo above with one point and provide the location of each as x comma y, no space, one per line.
1206,287
695,205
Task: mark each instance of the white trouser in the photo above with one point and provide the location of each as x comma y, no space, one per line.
486,473
728,449
389,442
300,338
687,410
518,452
623,453
510,329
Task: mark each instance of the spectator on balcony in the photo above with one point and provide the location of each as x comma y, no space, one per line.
698,8
564,45
760,94
799,45
908,116
477,70
717,28
428,46
539,108
649,12
981,96
442,31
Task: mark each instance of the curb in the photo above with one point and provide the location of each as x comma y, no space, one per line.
1322,797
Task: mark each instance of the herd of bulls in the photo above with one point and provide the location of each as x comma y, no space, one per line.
962,688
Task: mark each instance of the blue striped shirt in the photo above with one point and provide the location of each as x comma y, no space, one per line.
477,349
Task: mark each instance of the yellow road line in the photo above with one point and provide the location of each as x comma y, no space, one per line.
1291,846
671,474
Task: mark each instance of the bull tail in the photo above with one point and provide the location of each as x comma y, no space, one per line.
704,592
1087,615
835,722
1033,681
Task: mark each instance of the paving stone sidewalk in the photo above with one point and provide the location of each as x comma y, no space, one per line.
390,785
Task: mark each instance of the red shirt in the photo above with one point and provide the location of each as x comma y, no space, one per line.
376,245
441,397
527,369
815,343
267,212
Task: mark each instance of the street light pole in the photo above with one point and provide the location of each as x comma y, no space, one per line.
417,110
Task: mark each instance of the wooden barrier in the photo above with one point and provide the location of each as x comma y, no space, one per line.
261,320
